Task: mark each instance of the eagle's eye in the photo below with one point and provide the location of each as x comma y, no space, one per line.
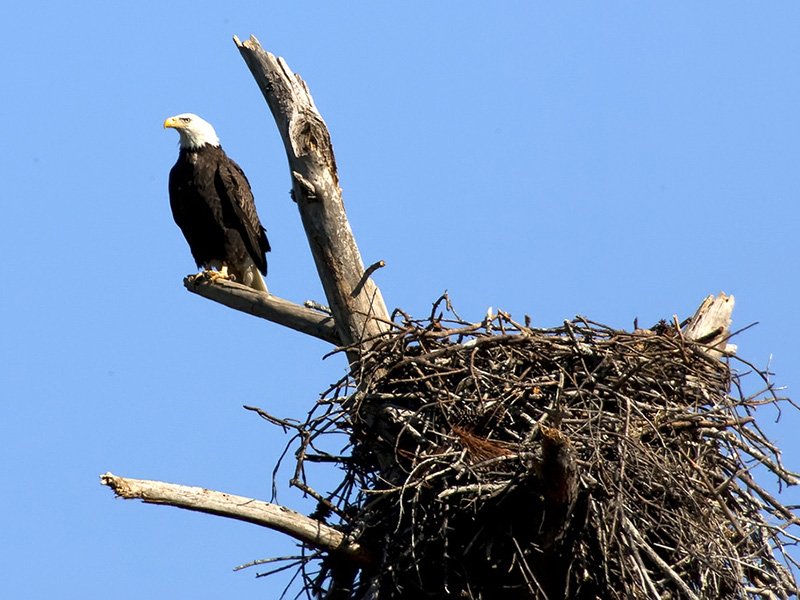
185,119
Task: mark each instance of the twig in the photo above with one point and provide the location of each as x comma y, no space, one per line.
367,274
652,555
265,561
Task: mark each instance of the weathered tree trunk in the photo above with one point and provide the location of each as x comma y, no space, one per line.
355,301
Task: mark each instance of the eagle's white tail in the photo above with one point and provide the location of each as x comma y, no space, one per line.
254,279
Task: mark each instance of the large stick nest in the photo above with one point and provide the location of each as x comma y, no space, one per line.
496,460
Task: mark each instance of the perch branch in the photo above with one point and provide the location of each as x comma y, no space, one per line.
269,307
304,529
315,188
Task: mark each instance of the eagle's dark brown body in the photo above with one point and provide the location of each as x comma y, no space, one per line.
213,205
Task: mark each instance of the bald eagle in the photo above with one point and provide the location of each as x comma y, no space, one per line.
213,205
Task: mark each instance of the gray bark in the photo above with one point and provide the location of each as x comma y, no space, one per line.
358,308
302,528
266,306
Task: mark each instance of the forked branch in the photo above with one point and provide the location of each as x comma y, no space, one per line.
358,308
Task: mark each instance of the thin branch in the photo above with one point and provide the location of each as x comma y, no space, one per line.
269,307
304,529
317,306
265,561
367,274
653,556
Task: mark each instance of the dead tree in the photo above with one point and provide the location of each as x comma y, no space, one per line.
496,459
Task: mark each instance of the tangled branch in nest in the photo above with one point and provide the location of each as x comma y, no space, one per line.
498,460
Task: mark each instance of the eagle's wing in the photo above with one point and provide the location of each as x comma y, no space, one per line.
232,182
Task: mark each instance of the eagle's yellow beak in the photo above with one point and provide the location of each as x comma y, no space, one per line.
171,122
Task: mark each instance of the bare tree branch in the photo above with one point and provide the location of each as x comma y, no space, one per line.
269,307
356,303
304,529
711,323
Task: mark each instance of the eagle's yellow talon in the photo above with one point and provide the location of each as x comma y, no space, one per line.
214,275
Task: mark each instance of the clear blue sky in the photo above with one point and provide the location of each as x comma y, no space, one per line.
614,160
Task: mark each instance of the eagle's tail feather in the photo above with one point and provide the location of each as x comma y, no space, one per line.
254,279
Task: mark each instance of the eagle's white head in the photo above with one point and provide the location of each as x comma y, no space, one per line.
194,131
